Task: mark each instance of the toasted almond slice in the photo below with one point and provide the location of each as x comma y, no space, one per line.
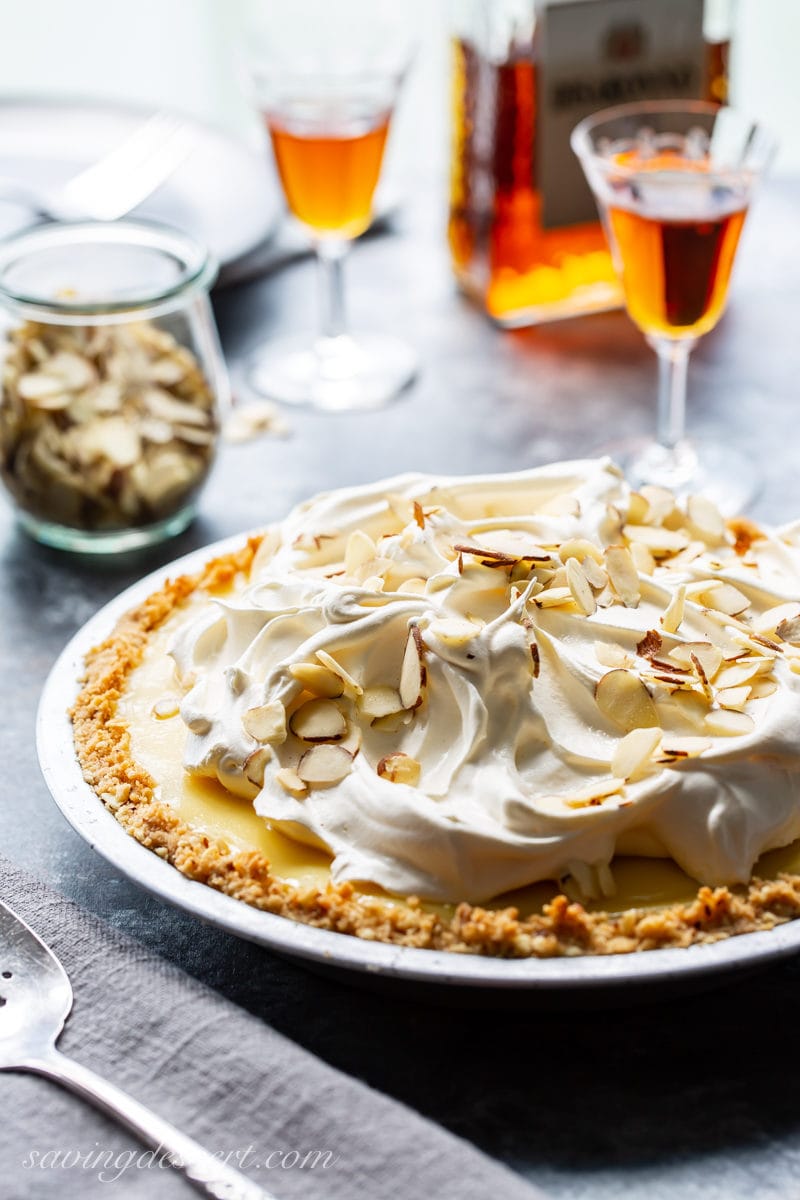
739,673
360,549
733,697
413,587
580,548
290,781
255,763
553,597
318,680
768,621
456,631
705,520
761,688
650,645
638,508
380,702
659,541
673,614
642,558
594,573
162,710
399,768
324,764
709,655
593,794
701,675
605,597
789,631
634,752
724,598
413,674
687,556
660,503
505,544
609,654
266,722
674,746
724,723
350,685
351,742
623,698
684,708
623,575
318,721
579,586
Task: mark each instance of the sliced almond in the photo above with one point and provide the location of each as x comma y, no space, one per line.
290,781
724,723
623,698
596,574
724,598
318,721
324,764
659,541
660,503
379,702
738,674
623,575
593,794
674,747
456,631
673,614
580,588
360,549
266,722
634,752
392,722
413,674
705,520
351,742
350,685
162,710
413,587
642,558
706,653
701,675
733,697
768,621
580,548
255,764
789,630
638,508
553,597
318,680
761,688
609,654
399,768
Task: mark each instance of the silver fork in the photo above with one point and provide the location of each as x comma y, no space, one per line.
117,182
35,1001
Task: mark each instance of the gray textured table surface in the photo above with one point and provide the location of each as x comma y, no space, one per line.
681,1098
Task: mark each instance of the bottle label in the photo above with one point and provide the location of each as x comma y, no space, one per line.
597,53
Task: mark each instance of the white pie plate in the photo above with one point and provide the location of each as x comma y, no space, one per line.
654,971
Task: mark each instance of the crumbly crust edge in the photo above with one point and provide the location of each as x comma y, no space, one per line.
563,928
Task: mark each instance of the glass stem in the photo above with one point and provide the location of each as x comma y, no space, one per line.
673,360
330,256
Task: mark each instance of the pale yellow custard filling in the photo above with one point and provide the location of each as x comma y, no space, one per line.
149,708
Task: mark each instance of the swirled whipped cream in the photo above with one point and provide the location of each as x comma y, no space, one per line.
460,686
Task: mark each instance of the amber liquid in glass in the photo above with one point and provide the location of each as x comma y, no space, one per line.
329,174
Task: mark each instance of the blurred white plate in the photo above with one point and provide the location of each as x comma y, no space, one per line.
224,193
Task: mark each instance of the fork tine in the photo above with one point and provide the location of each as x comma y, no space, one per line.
132,170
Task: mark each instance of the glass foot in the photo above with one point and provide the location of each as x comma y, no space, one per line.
725,475
115,541
338,374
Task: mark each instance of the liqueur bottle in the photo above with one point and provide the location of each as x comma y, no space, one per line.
524,235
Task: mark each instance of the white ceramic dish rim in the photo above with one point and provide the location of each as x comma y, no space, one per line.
96,825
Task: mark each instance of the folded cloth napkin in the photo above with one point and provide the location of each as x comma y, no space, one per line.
217,1073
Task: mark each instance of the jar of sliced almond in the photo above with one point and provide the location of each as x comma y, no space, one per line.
112,382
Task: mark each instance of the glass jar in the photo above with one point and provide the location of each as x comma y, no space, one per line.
112,380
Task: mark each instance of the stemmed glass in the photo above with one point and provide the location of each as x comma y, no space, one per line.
673,182
325,77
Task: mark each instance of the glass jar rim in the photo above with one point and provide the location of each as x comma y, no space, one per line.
197,267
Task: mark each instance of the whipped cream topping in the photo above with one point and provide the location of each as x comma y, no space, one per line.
463,627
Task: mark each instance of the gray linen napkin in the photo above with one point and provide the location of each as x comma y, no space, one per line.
220,1075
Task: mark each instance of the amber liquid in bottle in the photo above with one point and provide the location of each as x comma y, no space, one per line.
499,246
329,174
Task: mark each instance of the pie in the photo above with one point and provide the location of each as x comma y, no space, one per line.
520,715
